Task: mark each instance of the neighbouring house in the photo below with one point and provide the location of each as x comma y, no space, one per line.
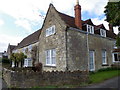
3,55
27,46
10,49
69,43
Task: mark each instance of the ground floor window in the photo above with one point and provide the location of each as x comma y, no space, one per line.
51,57
91,61
104,60
116,57
27,62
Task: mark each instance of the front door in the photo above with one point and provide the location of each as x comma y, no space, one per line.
91,61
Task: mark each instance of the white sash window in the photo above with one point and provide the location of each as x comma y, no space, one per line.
51,57
50,30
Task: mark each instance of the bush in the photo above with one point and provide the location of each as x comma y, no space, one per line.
5,60
108,69
0,60
38,67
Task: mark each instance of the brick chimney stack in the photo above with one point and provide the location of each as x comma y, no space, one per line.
77,9
111,27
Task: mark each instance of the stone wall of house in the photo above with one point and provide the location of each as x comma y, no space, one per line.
77,52
56,41
98,43
29,79
78,46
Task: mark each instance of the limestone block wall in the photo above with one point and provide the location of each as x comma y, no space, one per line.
28,79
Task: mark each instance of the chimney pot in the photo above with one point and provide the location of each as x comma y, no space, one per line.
78,21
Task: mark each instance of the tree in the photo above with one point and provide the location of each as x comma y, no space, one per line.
112,12
13,58
17,58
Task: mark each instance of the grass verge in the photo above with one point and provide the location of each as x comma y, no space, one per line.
103,75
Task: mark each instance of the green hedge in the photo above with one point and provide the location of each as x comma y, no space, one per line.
5,60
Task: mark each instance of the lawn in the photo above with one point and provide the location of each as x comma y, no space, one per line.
103,75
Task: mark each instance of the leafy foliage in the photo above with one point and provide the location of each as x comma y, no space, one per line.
5,60
112,13
17,57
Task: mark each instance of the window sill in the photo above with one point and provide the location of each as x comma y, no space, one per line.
105,65
49,66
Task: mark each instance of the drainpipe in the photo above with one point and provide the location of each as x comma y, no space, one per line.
66,50
88,49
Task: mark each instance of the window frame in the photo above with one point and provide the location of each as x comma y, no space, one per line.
50,56
113,55
50,31
27,62
90,29
103,31
104,57
93,60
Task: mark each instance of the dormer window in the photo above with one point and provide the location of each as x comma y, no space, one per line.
90,29
103,32
50,30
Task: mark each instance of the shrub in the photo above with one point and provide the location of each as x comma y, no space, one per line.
108,69
5,60
38,67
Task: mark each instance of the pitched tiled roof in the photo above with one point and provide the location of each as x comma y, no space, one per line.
99,26
33,38
70,21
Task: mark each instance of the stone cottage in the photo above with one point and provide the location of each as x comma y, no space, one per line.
27,46
10,49
69,43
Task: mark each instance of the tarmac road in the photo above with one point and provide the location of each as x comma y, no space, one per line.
111,83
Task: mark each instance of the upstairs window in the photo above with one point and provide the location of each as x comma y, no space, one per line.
90,29
50,30
103,32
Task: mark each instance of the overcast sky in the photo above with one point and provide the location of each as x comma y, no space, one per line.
19,18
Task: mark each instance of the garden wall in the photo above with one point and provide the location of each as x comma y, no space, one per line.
27,79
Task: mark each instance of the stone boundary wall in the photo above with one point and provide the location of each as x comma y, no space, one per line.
27,79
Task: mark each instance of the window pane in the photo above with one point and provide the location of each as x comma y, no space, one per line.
53,29
47,32
48,57
53,55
